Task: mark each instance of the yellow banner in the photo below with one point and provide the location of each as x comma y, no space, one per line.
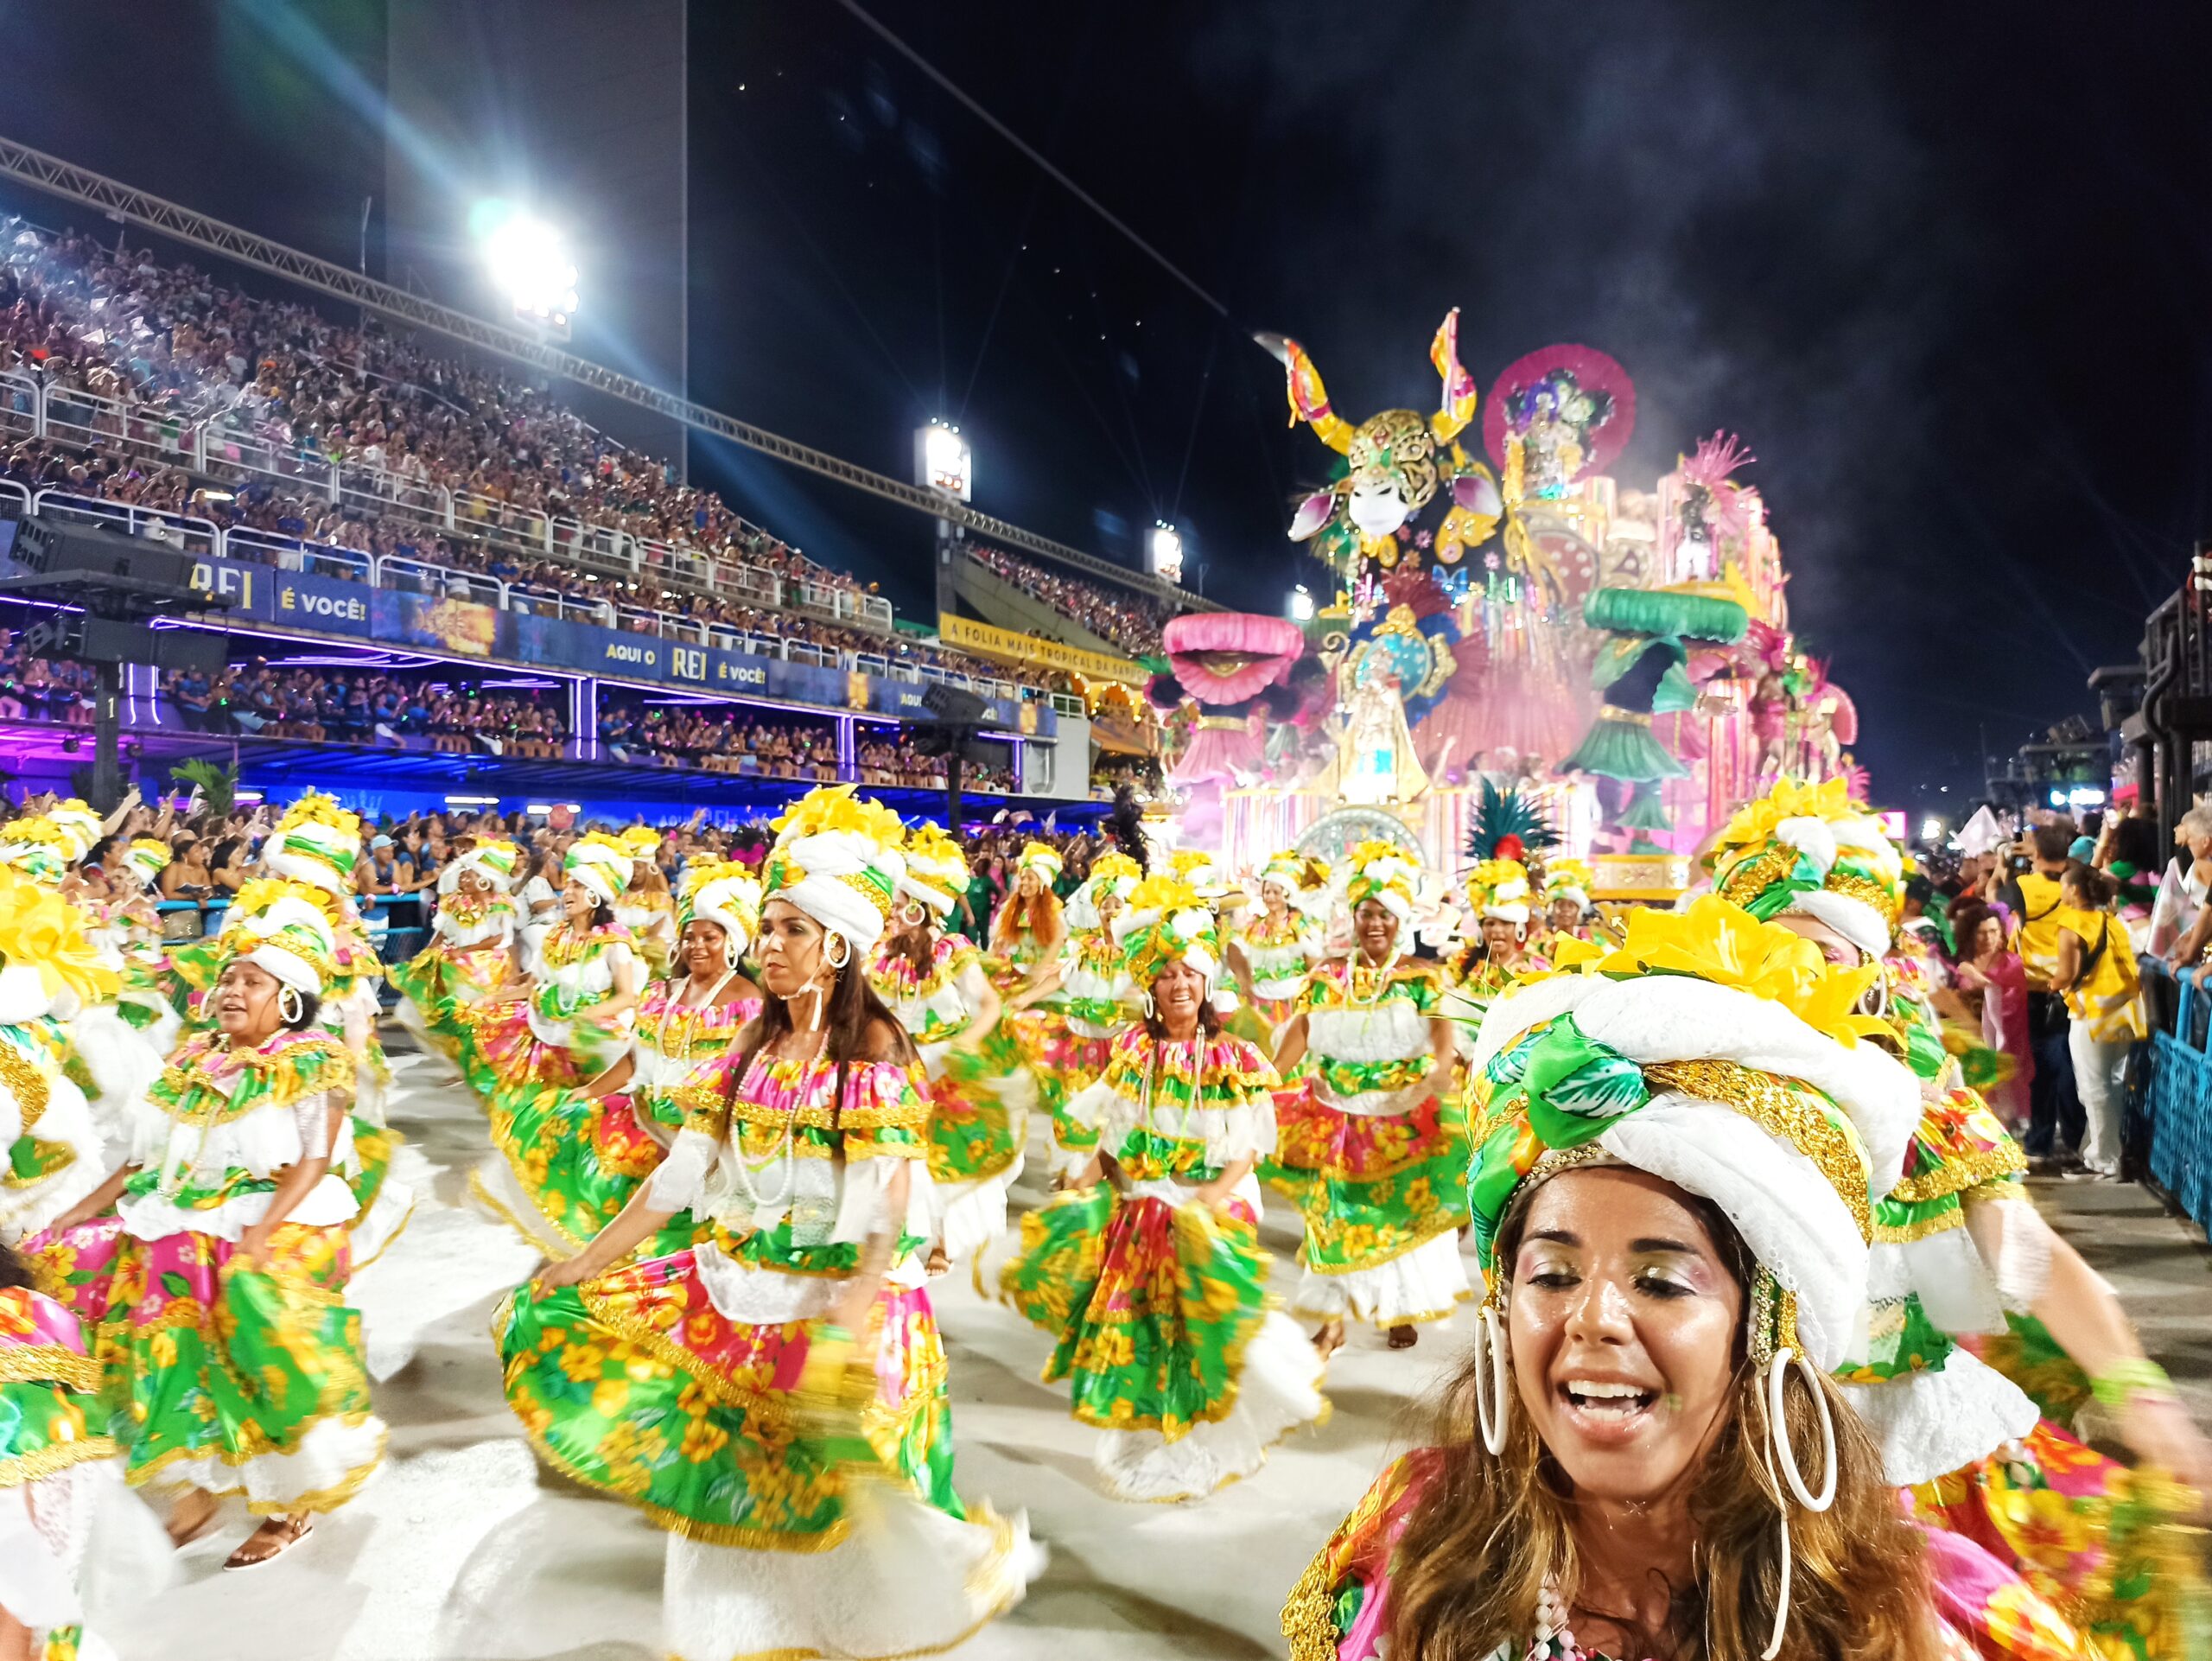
1005,644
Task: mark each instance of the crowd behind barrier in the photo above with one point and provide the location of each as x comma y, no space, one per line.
213,855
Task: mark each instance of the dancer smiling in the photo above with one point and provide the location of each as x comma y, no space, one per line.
236,1362
1644,1454
737,1391
1372,1138
1154,1285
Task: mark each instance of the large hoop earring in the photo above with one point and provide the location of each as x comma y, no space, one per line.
733,954
1493,1412
289,1007
1790,1482
1878,994
1778,1432
837,964
1150,1008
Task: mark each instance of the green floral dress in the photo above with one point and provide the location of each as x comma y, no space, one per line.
1157,1302
232,1373
1376,1162
682,1384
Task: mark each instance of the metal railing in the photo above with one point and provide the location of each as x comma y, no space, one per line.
229,447
410,574
184,531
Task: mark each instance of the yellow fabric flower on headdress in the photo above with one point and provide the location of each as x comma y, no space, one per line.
38,847
600,839
258,893
1567,878
1299,874
834,807
1042,858
316,808
1377,870
1114,869
1723,944
927,843
723,891
40,930
1499,888
1790,799
150,853
1166,920
79,822
1810,850
643,841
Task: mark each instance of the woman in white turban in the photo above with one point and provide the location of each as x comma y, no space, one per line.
791,1354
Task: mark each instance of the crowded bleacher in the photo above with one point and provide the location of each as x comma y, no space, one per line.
133,354
1122,617
189,411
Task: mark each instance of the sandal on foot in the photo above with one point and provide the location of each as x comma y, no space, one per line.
278,1533
1404,1337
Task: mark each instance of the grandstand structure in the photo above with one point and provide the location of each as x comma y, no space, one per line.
568,556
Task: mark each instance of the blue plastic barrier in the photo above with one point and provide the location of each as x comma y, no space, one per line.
2177,1103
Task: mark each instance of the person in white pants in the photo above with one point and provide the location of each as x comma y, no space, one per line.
2096,972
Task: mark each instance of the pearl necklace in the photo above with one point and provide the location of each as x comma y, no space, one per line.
787,1153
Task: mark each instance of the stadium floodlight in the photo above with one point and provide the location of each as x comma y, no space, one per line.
1931,829
530,265
1164,552
1300,607
943,460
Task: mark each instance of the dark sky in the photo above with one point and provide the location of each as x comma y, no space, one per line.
1946,268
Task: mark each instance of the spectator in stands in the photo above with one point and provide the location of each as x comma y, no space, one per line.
382,870
229,867
187,875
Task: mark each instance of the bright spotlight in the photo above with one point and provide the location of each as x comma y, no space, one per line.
1163,553
943,461
1301,605
530,263
1930,829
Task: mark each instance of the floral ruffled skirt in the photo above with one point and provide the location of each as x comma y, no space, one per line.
786,1537
239,1377
2112,1550
1164,1331
1382,1195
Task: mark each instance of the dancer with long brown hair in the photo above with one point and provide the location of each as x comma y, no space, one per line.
738,1391
1643,1456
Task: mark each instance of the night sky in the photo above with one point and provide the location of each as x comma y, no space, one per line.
1946,269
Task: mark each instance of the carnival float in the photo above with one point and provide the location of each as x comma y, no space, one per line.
1505,616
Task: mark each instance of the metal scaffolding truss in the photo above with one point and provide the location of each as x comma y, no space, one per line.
119,201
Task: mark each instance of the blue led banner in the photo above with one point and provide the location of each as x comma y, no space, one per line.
463,631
